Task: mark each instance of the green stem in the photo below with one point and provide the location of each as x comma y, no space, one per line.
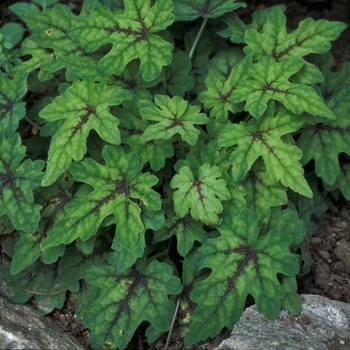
197,38
32,123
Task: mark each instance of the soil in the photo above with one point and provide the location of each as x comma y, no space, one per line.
330,249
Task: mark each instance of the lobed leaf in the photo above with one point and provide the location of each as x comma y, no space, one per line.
237,28
126,300
174,116
83,106
262,138
242,263
115,185
310,37
324,142
38,280
202,197
132,35
17,182
268,80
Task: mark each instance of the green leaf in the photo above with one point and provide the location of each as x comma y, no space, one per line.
287,221
115,185
292,300
132,35
50,28
268,80
45,3
189,10
324,142
218,96
128,299
28,249
12,110
13,32
310,37
201,197
237,28
38,280
262,138
262,193
174,116
17,182
342,182
178,81
242,263
41,58
154,151
19,8
83,106
186,231
73,265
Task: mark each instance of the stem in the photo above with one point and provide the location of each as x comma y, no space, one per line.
32,123
172,322
197,38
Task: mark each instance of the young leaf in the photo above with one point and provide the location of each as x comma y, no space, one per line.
115,185
83,106
132,35
189,10
17,182
174,116
324,142
242,263
202,197
268,80
310,37
12,110
128,299
262,138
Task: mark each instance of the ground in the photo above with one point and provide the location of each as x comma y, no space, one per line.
330,249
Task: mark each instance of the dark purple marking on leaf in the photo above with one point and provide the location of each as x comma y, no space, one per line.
123,305
254,180
288,49
83,120
173,230
269,87
175,122
141,34
130,84
6,106
7,178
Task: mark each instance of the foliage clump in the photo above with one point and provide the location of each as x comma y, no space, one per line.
167,160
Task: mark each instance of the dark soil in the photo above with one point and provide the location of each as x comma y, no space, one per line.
330,249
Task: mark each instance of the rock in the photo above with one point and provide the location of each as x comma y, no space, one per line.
22,328
323,324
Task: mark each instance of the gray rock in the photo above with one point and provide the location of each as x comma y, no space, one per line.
324,324
22,328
